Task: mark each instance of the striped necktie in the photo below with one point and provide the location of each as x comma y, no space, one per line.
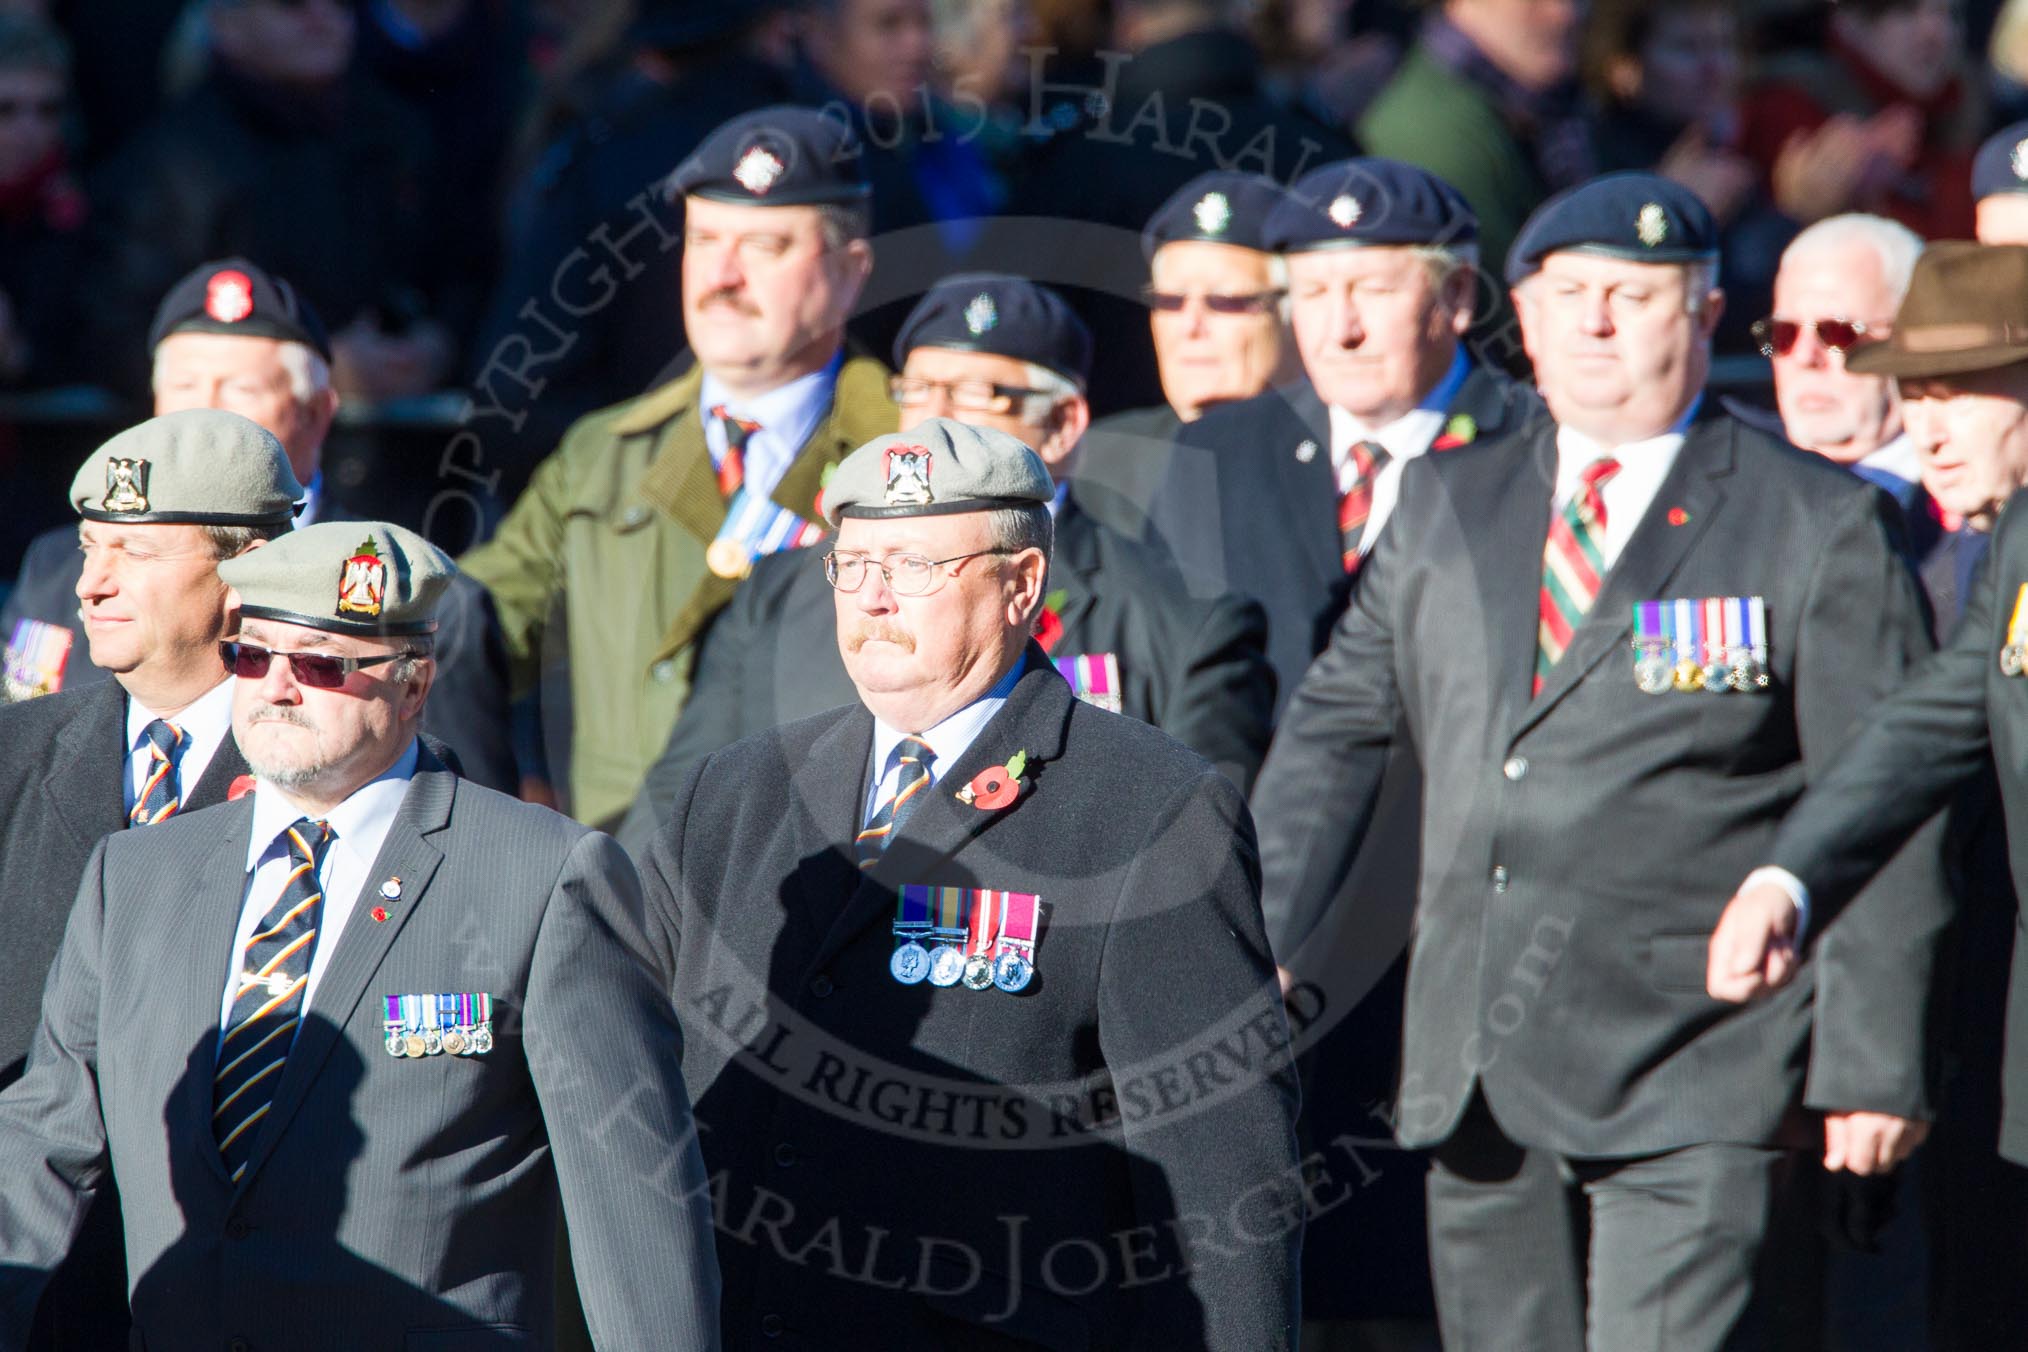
1572,566
160,793
911,782
273,976
1362,466
732,469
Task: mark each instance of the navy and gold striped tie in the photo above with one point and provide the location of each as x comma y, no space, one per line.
273,974
910,783
160,793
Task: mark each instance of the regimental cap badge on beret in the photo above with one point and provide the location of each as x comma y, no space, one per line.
1651,227
908,476
126,487
757,170
362,582
1213,213
1344,211
981,315
2017,159
228,296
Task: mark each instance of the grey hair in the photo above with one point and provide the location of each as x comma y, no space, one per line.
231,541
1445,261
1894,244
309,374
421,648
1051,388
840,224
1013,529
1700,279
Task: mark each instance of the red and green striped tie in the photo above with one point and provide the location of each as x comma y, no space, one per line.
1356,478
1572,566
910,783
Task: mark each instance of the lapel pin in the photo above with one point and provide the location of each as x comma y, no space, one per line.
1306,451
1678,517
391,889
993,789
240,787
379,914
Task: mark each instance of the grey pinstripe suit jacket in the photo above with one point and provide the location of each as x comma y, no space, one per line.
389,1203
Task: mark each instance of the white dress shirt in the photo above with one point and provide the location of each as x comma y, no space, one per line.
1629,493
949,740
1897,457
1405,438
205,724
787,415
359,827
313,503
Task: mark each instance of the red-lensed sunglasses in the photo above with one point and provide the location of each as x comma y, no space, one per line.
319,671
1777,336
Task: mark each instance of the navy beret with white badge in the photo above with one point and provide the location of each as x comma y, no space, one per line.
1369,201
2002,163
782,156
1220,207
1643,218
1006,316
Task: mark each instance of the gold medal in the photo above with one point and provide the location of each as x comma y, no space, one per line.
454,1042
728,559
1689,676
414,1045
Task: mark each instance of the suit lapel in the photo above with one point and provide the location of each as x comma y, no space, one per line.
408,854
1035,719
1309,487
1690,493
218,891
1512,500
90,759
227,764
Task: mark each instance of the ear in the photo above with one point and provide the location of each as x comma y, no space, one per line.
1623,77
321,409
1712,311
1027,572
1067,423
417,692
1460,294
1523,297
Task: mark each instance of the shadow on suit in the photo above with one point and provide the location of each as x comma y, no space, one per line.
219,1256
897,1023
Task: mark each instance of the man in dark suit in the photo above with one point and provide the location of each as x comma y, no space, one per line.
231,335
1964,382
1077,1131
318,1148
1279,496
1117,620
161,504
1560,1051
1218,312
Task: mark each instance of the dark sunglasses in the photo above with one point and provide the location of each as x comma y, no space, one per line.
319,671
1777,336
1252,303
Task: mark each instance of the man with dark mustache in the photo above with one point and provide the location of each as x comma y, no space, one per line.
644,520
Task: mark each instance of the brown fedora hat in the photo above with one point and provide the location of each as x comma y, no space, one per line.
1966,310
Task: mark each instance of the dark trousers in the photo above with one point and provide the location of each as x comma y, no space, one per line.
1535,1252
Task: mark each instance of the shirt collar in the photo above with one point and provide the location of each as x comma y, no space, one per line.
208,718
787,412
362,818
952,737
1897,457
1411,434
1576,449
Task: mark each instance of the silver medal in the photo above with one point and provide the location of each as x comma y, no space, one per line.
947,964
910,963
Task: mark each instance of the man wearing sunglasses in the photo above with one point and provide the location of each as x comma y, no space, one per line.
1589,771
649,513
1218,313
1002,352
1095,921
161,505
1278,497
349,1040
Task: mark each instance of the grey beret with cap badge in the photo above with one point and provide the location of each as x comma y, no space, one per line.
939,467
368,578
202,466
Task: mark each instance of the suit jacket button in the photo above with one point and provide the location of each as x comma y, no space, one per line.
772,1325
664,671
1499,877
821,987
785,1155
237,1228
1515,767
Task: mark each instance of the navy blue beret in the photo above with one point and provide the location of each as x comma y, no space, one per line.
235,296
2002,162
782,156
1220,207
1370,201
1644,218
1007,316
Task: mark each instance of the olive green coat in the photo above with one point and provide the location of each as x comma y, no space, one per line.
615,524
